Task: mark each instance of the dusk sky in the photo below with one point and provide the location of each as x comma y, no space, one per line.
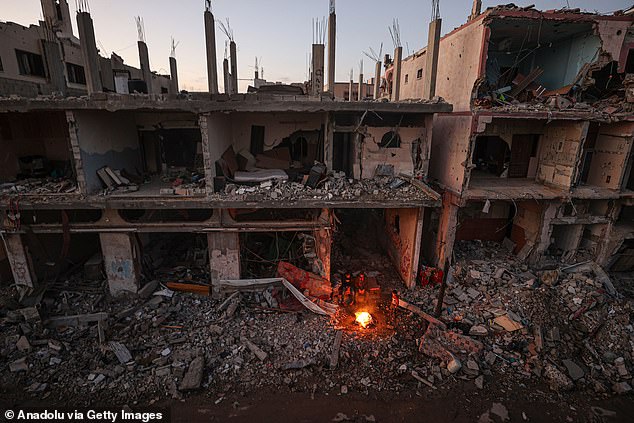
279,32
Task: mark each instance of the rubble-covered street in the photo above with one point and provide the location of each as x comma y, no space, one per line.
557,335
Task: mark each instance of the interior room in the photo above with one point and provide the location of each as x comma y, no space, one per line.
149,154
35,154
521,48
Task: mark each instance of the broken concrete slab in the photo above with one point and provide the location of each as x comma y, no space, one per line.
574,370
194,376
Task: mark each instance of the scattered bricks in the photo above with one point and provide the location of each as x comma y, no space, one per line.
574,370
478,330
55,345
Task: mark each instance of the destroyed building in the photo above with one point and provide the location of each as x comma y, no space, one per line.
48,59
161,241
538,149
111,175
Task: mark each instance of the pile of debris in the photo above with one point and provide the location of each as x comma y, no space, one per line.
567,326
502,323
39,186
335,186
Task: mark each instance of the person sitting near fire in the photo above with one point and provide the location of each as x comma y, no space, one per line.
347,289
360,287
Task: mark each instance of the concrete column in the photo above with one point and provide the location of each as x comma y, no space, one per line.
351,87
227,76
377,80
360,94
431,67
224,255
144,60
446,230
89,52
173,76
21,266
476,9
210,38
332,41
121,262
234,67
317,80
396,79
55,66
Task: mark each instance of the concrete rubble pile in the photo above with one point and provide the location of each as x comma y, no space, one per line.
38,186
502,323
562,327
334,186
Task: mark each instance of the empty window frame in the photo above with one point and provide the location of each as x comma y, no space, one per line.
30,63
76,74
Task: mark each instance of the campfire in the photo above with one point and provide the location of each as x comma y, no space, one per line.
363,318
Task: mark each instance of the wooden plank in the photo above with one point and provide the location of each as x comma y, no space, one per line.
411,307
334,356
188,287
76,320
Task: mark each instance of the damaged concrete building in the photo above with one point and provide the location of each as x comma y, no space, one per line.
120,183
537,152
48,58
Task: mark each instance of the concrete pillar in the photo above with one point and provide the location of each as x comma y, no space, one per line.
332,40
361,93
446,230
21,266
227,76
59,21
224,255
234,67
55,66
351,88
396,78
377,80
144,60
121,262
317,80
431,67
210,38
173,76
89,52
476,9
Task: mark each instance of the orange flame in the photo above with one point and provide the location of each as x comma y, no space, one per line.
363,318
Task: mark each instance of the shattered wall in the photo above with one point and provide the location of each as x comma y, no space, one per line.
402,158
526,224
217,137
474,223
403,236
610,155
559,150
277,126
450,144
106,139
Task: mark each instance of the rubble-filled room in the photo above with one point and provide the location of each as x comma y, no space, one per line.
175,258
146,154
515,225
36,154
63,261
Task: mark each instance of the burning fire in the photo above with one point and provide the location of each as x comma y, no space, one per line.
363,318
